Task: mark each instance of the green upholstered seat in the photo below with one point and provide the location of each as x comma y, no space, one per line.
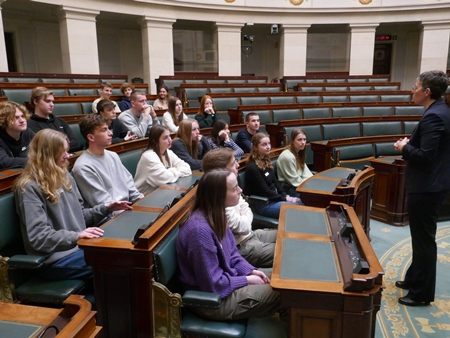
59,91
195,93
86,107
315,80
291,83
334,98
409,110
359,88
395,98
22,79
285,114
384,149
236,81
86,80
194,81
254,100
354,156
218,81
340,130
409,126
20,269
282,99
378,79
381,128
315,113
253,81
335,80
67,108
386,88
171,84
352,80
17,95
225,103
377,111
310,89
336,89
345,111
82,91
265,116
268,89
363,98
245,89
166,288
308,99
130,160
76,129
221,90
115,81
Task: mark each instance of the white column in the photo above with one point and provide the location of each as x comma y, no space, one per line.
362,48
78,34
294,40
157,49
3,56
433,49
229,49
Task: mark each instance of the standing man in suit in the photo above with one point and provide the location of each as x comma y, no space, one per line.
427,156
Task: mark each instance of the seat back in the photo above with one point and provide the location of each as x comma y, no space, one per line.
409,110
308,99
76,130
11,237
244,89
285,114
225,103
221,90
340,130
315,113
409,126
345,111
384,149
130,160
395,98
268,89
82,91
66,108
254,100
377,111
363,98
334,98
381,128
165,258
17,95
282,99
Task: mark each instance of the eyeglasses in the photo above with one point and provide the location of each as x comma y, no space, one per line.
414,88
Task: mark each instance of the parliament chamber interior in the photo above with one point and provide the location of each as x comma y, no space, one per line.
341,72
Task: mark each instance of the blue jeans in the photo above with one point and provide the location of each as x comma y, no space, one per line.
272,209
72,266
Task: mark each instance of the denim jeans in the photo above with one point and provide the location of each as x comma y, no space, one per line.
72,266
272,209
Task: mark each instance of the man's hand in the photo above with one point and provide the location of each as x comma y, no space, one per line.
93,232
119,205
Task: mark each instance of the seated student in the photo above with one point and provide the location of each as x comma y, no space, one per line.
172,117
42,101
140,117
162,102
120,133
51,211
189,145
126,89
158,164
244,136
220,137
257,247
99,173
208,258
14,135
291,167
105,94
206,115
260,179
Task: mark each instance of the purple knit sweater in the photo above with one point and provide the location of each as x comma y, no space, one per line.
207,264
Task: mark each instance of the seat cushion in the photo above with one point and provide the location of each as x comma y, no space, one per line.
195,326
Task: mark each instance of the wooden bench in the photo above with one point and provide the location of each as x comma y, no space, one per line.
343,86
55,77
290,81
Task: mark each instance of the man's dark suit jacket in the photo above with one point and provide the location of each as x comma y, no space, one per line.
428,152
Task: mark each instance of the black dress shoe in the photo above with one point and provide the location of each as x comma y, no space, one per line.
411,302
402,284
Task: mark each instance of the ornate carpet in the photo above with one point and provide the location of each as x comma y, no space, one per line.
393,248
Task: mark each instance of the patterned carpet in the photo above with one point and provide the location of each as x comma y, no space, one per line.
393,248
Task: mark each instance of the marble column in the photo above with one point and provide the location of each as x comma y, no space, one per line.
294,39
3,55
433,49
229,49
157,49
78,34
362,48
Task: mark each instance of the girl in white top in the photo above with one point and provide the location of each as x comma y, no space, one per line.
163,98
158,164
172,117
291,167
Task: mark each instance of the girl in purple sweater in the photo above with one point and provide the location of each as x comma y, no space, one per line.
209,260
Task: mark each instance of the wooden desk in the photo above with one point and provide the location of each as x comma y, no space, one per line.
389,201
324,187
75,320
312,278
122,271
389,196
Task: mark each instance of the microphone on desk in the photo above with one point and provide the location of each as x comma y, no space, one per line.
143,228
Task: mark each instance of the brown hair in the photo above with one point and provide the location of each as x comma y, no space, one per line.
126,85
172,104
39,93
8,113
201,109
210,199
217,159
102,104
89,123
216,128
261,162
184,133
153,141
300,156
